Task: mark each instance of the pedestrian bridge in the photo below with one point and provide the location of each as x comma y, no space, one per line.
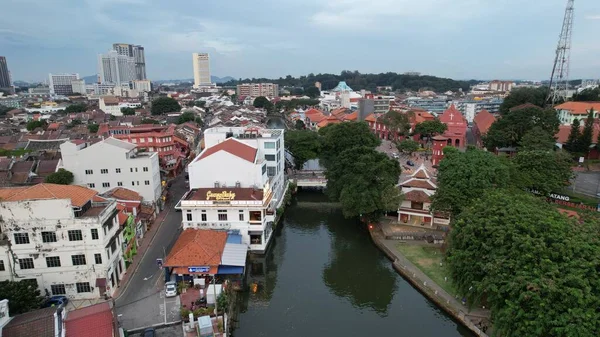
309,179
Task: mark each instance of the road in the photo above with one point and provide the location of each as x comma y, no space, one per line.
587,183
142,302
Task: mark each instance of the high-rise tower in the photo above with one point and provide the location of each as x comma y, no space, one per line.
137,53
201,64
559,80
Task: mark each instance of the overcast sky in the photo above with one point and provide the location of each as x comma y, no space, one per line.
461,39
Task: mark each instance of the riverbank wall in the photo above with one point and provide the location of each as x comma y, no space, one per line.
432,291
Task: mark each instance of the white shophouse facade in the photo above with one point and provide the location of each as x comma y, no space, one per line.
69,250
113,163
234,187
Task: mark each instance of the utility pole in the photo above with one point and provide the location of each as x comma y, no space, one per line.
559,80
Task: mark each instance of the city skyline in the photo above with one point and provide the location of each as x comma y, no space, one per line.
459,39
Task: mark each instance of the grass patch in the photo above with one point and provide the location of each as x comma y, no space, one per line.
428,259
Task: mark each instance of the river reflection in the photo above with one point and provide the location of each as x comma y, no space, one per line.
323,277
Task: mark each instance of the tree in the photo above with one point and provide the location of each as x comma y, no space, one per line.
400,123
520,96
186,117
75,122
299,125
537,139
93,128
573,144
4,110
128,111
163,105
312,92
408,146
199,121
61,177
74,108
510,129
587,95
32,125
544,171
531,265
464,177
22,296
364,181
585,142
303,145
261,102
430,128
149,121
342,136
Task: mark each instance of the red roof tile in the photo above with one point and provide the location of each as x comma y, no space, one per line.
579,108
92,321
197,247
39,323
483,120
233,146
351,117
417,196
79,195
564,130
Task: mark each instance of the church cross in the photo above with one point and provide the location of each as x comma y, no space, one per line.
451,115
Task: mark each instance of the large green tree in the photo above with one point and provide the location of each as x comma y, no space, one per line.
364,181
61,177
163,105
342,136
520,96
4,110
588,95
534,268
430,128
585,142
303,145
93,128
408,146
187,116
80,107
463,177
312,92
262,102
510,129
573,143
545,171
537,139
128,111
397,122
22,296
32,125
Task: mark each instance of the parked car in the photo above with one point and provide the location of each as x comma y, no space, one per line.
170,289
150,332
395,155
410,163
55,301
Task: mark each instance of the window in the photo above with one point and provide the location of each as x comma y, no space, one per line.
103,171
271,171
26,263
269,145
107,253
2,265
118,170
278,144
89,171
119,183
136,169
113,246
138,183
241,215
131,169
92,185
256,239
147,182
78,260
53,261
21,238
133,183
270,157
94,233
264,169
278,156
75,235
203,217
222,214
83,287
58,289
189,216
48,237
145,169
98,258
105,184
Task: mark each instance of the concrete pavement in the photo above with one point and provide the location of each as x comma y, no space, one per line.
140,302
587,183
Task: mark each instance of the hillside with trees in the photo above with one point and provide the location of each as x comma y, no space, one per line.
359,81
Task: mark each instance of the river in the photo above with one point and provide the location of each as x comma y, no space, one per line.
322,276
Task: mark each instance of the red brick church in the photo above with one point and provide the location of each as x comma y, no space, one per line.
457,127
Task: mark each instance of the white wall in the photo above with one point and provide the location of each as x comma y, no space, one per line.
227,169
106,156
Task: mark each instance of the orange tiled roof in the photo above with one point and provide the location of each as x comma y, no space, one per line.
312,111
417,196
351,117
122,193
483,120
327,121
416,183
315,117
79,195
233,146
371,118
579,108
197,247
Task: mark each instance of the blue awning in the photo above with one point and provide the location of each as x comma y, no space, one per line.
234,238
229,270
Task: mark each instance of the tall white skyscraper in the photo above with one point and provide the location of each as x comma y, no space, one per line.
62,84
201,63
115,68
139,58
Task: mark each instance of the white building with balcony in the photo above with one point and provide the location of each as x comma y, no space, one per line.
237,183
113,163
61,237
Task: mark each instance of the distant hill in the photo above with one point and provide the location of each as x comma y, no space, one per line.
216,79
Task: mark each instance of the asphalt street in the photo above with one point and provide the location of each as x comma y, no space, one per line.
587,183
142,302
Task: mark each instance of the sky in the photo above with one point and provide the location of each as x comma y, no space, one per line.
460,39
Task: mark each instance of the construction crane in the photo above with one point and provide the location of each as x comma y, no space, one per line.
559,80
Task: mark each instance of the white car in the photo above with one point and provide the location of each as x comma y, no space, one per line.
170,289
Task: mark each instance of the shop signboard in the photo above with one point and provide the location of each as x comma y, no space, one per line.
202,269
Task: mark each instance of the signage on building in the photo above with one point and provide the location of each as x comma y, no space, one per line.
554,196
220,196
198,269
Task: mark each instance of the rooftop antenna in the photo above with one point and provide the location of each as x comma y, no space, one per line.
559,80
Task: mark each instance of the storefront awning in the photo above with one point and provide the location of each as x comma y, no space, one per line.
230,270
234,255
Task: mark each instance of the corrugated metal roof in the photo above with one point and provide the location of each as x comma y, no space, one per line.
234,255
